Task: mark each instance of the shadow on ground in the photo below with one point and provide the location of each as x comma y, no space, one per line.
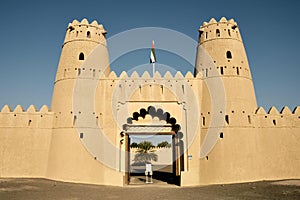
35,189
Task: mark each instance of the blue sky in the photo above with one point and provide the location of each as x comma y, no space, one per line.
32,33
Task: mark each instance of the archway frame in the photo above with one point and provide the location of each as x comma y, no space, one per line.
170,127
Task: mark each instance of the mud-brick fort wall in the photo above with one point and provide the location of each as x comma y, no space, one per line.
254,146
25,140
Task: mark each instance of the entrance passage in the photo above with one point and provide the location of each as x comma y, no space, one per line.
152,154
155,149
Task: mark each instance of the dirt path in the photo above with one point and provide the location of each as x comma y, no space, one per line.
34,189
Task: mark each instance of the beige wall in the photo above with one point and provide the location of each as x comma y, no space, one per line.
24,141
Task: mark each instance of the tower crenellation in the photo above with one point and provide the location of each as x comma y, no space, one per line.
222,29
85,31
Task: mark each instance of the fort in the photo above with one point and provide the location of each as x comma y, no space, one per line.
219,134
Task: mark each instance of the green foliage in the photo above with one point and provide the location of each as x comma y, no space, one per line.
134,145
164,144
145,153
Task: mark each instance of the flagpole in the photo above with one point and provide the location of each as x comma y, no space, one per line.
153,68
153,58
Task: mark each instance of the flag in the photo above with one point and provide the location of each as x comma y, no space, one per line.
152,54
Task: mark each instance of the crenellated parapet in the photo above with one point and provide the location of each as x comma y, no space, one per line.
30,118
275,119
224,28
84,30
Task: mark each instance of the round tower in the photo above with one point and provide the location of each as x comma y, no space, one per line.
80,40
223,43
84,60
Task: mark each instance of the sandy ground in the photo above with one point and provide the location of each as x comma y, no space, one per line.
46,189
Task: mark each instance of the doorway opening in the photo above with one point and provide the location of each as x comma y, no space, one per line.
155,148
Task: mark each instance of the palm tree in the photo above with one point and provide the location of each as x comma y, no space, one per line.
164,144
145,153
134,145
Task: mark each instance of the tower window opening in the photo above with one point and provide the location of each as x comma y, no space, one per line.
200,34
74,119
249,119
228,55
227,119
81,56
29,122
229,32
237,71
206,72
94,73
203,121
206,35
78,72
81,135
221,135
88,34
218,33
274,122
221,70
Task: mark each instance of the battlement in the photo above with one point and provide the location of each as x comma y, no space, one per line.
93,73
224,28
222,20
85,31
274,118
31,118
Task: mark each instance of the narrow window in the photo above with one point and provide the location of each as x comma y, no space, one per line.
65,71
203,121
78,72
218,33
237,71
274,122
200,34
221,135
183,89
81,135
221,70
227,119
206,72
74,120
29,122
81,56
88,34
94,73
228,55
249,119
229,32
76,33
206,34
